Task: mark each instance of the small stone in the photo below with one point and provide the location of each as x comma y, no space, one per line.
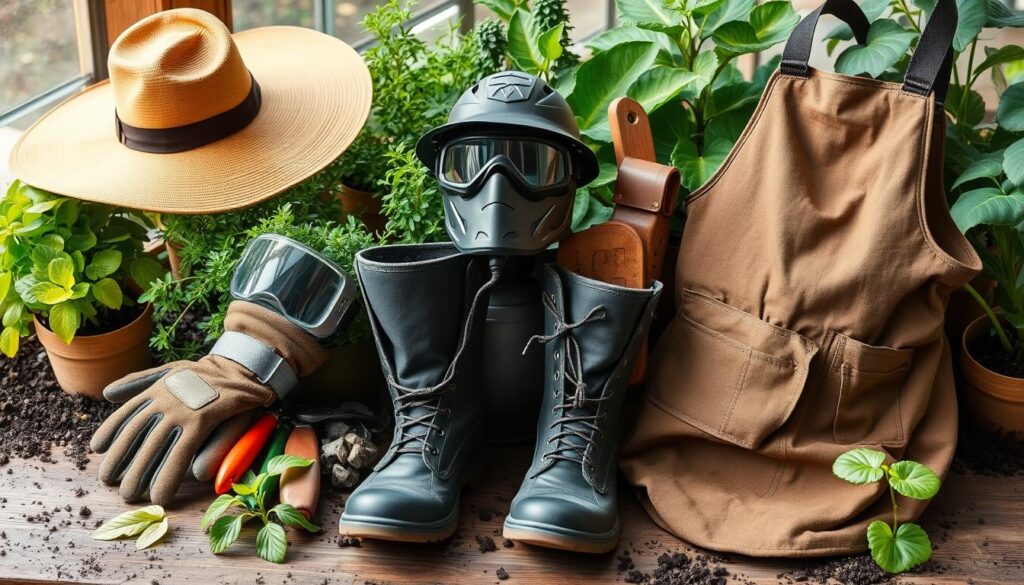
336,451
343,477
501,574
345,541
85,512
485,544
362,456
507,543
354,438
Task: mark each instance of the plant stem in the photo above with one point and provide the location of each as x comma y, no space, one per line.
1000,332
895,509
906,12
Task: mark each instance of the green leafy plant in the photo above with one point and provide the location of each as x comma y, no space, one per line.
250,498
895,547
211,245
537,40
412,200
415,84
149,524
70,263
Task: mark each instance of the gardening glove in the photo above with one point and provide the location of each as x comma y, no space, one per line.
209,457
152,439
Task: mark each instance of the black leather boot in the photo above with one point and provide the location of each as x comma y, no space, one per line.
593,332
427,304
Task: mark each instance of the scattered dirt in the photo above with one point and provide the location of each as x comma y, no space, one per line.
36,414
856,570
501,573
485,544
987,351
988,453
676,568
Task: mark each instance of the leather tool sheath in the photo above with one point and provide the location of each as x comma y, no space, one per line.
629,249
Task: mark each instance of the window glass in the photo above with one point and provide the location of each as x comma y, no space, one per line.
40,51
246,14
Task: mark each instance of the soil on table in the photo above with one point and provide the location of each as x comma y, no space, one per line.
989,352
36,414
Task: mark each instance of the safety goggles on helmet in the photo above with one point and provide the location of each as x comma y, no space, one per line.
536,165
302,285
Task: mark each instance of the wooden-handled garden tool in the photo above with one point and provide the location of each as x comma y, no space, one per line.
629,249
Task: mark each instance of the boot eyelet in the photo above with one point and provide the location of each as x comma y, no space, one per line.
557,354
556,376
440,433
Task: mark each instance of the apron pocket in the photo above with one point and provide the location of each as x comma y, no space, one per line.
732,375
867,381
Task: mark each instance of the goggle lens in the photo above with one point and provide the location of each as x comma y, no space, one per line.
538,163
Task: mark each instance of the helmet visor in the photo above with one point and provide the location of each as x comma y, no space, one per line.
287,277
538,163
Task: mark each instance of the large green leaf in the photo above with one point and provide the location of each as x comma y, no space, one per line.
271,543
292,517
108,293
770,23
626,33
651,13
1013,162
62,272
985,168
279,464
968,110
729,11
522,43
914,480
660,84
694,168
860,466
49,293
145,270
887,43
550,43
588,210
217,509
1002,16
65,321
503,8
972,15
873,9
987,206
225,531
1010,113
1004,54
104,263
898,552
605,77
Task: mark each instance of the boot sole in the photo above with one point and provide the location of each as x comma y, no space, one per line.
373,528
548,536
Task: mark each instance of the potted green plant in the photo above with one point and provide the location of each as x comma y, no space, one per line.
415,83
71,271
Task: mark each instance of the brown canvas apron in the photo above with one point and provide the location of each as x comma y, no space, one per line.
812,280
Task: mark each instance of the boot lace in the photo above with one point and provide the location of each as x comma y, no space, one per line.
577,412
409,399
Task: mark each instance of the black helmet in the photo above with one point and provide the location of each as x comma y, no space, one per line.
509,161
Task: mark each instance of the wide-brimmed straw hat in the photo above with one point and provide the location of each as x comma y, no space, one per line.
195,120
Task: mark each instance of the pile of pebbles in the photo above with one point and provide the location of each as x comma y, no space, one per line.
346,456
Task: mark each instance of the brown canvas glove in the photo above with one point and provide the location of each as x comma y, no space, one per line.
151,440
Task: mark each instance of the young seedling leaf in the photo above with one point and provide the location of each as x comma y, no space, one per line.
65,320
271,543
151,534
913,480
292,517
551,43
225,531
898,552
62,272
217,509
129,523
860,466
278,464
242,489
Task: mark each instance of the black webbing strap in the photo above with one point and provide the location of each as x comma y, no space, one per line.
932,62
798,48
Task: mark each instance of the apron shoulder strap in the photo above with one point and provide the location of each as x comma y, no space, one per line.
932,63
798,48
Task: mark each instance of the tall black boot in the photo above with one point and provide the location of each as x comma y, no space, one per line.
427,304
593,333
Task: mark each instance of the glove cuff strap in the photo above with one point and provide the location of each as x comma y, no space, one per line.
259,358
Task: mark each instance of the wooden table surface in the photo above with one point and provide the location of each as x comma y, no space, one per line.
976,522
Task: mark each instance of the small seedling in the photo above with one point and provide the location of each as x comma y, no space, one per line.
899,547
149,524
271,543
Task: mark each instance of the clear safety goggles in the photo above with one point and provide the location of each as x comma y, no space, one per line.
537,164
302,285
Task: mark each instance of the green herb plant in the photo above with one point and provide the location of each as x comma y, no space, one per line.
415,84
537,41
250,498
189,312
68,262
149,524
895,547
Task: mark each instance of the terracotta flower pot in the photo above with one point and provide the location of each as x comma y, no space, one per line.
91,362
991,399
364,206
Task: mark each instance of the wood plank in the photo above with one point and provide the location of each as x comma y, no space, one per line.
975,522
123,13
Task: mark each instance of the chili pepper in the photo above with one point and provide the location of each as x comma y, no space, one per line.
241,456
274,448
300,486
